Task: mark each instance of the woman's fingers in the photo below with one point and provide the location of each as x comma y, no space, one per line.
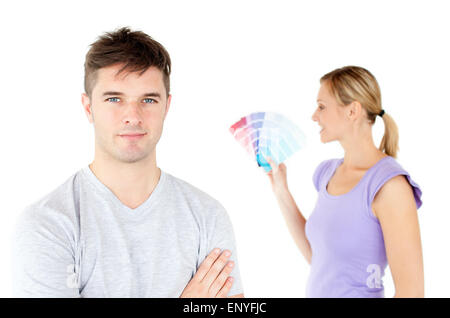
272,164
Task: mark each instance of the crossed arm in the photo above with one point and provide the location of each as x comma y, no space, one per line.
41,252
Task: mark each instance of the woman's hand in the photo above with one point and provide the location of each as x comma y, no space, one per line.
277,176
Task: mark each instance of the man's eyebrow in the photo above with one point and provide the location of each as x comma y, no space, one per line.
151,94
112,93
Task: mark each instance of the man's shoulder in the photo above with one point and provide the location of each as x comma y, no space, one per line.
193,195
59,206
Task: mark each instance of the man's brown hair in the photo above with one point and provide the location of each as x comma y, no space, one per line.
135,49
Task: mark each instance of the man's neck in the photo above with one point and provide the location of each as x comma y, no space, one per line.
131,183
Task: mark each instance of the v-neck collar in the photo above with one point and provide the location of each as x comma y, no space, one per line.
91,177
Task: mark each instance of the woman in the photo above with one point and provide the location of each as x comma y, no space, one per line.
366,213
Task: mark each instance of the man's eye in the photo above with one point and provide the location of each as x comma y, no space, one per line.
113,99
149,101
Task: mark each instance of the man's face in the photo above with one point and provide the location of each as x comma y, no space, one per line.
126,105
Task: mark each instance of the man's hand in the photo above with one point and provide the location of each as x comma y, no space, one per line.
211,279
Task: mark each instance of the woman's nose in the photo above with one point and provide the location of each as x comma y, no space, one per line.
314,117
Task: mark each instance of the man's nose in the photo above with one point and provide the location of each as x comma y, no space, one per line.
132,114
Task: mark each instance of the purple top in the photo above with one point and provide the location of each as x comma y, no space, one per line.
348,252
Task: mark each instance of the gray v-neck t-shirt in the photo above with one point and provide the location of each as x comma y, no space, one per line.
82,241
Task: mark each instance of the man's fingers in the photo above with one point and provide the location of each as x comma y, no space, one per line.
206,265
225,288
221,278
216,268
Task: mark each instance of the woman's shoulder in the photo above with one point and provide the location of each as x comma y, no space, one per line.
387,164
385,169
389,170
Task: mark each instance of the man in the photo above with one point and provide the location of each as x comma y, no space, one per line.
122,227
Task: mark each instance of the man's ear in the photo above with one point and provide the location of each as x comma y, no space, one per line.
169,99
86,101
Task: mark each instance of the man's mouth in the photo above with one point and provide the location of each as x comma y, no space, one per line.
132,136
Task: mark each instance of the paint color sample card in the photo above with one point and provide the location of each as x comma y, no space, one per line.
266,134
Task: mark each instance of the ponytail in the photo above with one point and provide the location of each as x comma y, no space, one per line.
389,142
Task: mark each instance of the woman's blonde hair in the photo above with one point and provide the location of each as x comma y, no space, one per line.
353,83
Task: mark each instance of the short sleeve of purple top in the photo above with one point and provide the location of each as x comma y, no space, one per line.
348,252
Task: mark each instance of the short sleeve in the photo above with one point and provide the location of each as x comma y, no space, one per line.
416,191
389,171
220,234
43,260
319,173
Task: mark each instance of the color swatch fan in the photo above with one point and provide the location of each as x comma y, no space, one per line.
267,134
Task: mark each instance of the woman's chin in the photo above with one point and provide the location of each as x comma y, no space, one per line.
324,140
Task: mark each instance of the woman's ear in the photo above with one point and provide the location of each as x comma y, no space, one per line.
355,110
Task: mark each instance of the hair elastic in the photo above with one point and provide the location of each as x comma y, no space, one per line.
381,113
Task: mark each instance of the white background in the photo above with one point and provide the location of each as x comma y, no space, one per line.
231,58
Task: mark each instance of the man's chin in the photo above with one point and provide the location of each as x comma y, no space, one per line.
131,157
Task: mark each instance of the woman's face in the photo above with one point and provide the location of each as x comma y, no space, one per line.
329,115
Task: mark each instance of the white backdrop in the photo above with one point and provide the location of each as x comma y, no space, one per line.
231,58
